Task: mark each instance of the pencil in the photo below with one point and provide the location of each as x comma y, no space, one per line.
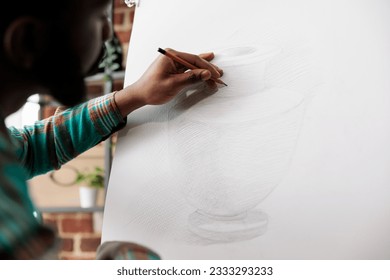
186,64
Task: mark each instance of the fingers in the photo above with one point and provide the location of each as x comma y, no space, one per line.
201,61
207,56
169,75
210,56
191,77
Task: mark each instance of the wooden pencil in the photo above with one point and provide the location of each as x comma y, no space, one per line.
186,63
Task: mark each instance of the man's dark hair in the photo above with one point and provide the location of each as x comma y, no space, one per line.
67,86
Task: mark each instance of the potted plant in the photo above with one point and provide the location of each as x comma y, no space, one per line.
111,61
90,182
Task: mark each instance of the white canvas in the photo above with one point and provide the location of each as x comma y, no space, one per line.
290,161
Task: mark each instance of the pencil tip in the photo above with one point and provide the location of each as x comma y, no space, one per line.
225,84
161,50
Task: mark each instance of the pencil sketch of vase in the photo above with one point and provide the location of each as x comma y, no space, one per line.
230,149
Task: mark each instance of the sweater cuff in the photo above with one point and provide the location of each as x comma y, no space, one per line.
105,115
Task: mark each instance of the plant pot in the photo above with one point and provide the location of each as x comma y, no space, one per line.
88,196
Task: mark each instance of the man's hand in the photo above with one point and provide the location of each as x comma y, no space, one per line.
164,79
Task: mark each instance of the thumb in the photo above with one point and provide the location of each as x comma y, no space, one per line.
192,77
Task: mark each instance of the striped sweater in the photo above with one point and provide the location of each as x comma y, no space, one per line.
37,149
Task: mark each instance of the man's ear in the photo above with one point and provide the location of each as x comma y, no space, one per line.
24,40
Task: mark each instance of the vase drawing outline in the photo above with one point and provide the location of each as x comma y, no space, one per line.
232,148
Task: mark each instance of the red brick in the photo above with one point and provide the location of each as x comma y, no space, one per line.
77,225
123,36
89,244
119,18
132,14
119,3
67,244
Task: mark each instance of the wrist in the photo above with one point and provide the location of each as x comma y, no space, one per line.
127,100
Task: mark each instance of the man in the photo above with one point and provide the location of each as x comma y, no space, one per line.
49,47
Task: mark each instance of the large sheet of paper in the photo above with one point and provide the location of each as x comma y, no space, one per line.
290,161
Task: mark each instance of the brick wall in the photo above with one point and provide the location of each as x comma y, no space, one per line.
80,233
123,21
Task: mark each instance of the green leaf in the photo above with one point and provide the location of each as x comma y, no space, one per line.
94,178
